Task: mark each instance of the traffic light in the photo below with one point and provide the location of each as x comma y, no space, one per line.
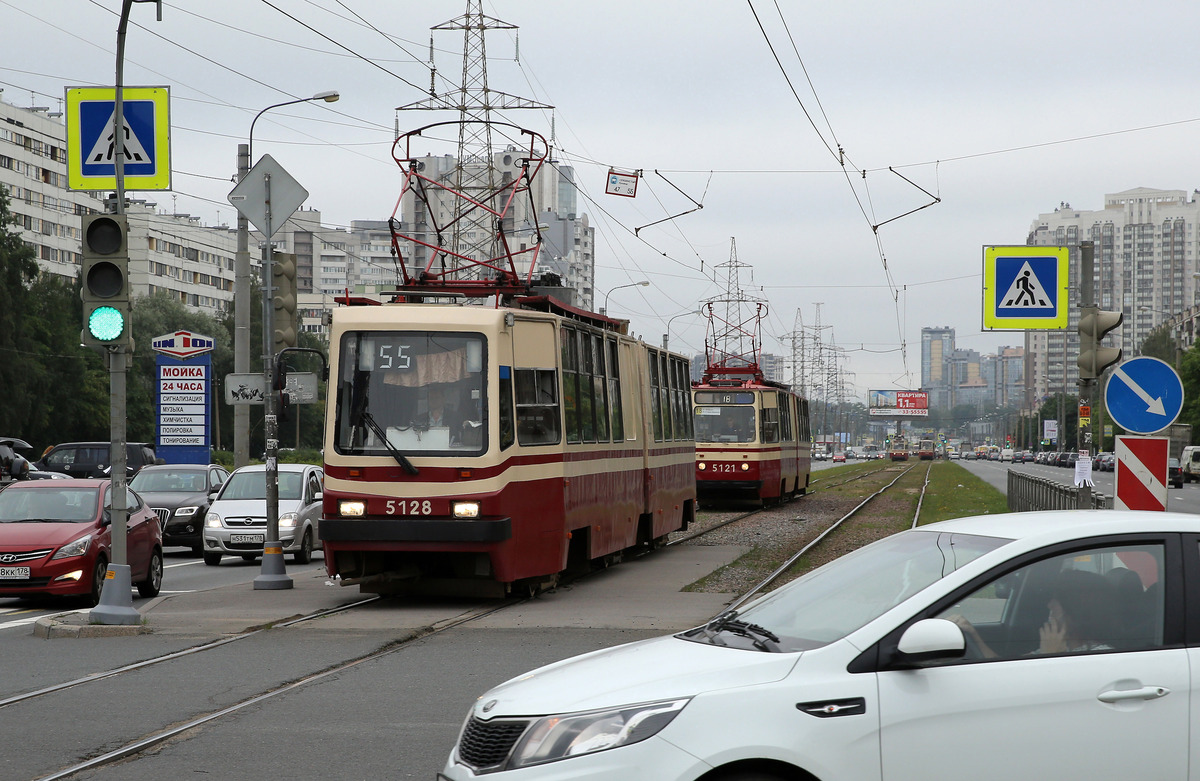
105,293
283,279
1093,325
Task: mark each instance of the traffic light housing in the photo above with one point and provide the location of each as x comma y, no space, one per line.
105,277
1093,325
287,321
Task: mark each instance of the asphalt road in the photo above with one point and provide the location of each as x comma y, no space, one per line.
995,473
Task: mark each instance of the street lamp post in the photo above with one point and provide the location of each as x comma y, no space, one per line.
273,575
667,335
604,309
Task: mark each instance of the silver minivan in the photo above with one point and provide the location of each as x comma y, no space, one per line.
236,523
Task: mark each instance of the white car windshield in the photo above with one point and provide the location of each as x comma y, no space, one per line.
832,601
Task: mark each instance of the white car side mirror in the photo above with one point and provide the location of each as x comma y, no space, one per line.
932,638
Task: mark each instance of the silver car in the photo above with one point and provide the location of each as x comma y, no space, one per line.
237,520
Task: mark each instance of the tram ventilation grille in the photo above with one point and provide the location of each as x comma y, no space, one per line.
486,744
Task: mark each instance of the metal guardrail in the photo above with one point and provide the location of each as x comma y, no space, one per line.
1027,492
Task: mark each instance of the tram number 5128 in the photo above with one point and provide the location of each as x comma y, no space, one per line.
408,507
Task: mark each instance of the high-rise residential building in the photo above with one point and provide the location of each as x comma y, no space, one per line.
1145,257
936,346
955,377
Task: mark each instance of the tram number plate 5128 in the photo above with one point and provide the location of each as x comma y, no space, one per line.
408,507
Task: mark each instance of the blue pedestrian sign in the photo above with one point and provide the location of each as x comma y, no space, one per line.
1144,395
145,138
1025,288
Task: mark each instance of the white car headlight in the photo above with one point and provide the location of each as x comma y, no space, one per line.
75,548
569,735
212,521
287,521
185,511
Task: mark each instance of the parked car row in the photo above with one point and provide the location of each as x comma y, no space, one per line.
56,535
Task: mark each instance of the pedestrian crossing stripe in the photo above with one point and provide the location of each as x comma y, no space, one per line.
91,163
1025,288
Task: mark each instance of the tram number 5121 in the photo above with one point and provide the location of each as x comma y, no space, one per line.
408,507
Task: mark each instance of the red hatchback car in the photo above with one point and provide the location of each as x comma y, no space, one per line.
56,539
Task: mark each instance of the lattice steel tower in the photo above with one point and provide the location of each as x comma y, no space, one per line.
474,173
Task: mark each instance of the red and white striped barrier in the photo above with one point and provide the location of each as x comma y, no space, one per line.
1141,473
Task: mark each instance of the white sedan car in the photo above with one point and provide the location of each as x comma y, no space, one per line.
1033,645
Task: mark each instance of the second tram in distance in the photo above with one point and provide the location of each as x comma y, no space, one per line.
752,439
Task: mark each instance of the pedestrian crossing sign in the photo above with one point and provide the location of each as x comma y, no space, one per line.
1025,288
146,147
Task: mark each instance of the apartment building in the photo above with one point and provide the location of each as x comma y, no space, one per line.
167,252
1145,261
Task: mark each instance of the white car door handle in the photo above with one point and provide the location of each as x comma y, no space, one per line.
1144,693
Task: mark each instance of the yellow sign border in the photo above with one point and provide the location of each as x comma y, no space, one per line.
160,179
990,291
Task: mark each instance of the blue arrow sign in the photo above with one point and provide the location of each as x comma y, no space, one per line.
1144,395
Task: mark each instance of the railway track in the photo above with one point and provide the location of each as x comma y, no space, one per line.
146,742
777,534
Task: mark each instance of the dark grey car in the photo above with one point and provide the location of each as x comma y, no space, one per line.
180,495
91,459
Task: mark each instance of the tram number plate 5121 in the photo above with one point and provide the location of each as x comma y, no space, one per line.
724,468
408,507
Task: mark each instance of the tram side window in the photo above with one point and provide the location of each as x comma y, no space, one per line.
770,423
685,399
570,365
785,417
678,404
537,406
664,394
507,430
599,388
655,401
614,392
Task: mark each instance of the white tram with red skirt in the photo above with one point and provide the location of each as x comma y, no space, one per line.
753,438
488,448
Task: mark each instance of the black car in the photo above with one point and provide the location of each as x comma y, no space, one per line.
91,459
1174,473
180,495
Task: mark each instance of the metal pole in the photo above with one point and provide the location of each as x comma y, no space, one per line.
1087,387
273,575
241,319
116,596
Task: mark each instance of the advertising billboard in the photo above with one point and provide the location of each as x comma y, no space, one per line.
894,403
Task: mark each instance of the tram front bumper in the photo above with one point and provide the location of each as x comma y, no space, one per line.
416,529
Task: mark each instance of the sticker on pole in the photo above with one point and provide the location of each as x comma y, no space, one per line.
1025,288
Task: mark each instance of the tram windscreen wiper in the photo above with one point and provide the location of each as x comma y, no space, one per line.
369,419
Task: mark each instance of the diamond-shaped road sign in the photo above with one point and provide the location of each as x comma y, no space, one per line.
267,181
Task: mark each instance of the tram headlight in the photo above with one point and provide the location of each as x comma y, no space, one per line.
352,508
465,509
745,467
702,466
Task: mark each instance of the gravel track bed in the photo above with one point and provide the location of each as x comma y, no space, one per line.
776,533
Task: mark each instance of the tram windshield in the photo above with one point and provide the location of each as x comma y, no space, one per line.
423,390
725,423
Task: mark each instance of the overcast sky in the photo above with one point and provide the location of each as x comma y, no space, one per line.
1002,110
